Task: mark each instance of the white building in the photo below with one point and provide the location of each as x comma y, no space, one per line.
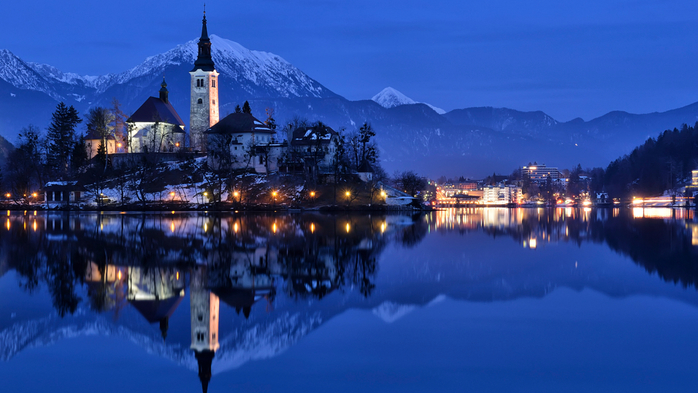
250,143
540,172
501,195
204,93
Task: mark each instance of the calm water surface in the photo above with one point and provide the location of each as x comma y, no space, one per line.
471,300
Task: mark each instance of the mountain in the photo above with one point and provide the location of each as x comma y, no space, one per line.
411,135
390,98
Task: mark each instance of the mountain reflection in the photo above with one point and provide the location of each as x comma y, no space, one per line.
296,271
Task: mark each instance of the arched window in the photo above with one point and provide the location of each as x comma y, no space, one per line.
200,101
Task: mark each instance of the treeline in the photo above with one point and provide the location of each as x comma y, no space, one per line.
660,164
59,153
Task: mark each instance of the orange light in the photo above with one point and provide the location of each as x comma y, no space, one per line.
35,194
118,275
273,193
118,145
235,227
177,275
312,228
8,195
273,228
177,144
312,194
348,194
236,194
348,227
172,193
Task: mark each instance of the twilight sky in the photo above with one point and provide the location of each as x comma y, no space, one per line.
569,59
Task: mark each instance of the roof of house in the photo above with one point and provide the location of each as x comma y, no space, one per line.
310,135
236,123
155,109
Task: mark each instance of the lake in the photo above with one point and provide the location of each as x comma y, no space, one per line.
472,300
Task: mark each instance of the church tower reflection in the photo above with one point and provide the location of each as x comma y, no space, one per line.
204,323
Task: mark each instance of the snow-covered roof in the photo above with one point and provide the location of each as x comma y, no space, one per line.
154,109
238,123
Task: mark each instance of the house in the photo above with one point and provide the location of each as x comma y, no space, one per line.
245,142
156,127
313,148
60,193
94,141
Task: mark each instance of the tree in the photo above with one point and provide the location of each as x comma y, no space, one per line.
246,108
237,109
410,182
60,138
79,156
24,164
118,123
369,152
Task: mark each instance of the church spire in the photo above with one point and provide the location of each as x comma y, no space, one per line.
164,94
204,61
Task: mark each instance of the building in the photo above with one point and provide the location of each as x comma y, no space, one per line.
60,193
156,293
156,127
94,141
204,93
539,173
501,195
204,309
244,142
313,148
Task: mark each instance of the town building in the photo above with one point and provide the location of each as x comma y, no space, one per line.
501,195
204,310
204,93
539,173
156,127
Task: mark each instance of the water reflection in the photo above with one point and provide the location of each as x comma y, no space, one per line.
296,271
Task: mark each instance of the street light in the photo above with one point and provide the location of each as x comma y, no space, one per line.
273,194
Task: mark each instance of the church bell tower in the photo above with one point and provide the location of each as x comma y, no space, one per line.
204,93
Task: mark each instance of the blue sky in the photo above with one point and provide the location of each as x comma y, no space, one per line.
568,59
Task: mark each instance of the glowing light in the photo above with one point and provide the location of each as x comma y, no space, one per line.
383,194
235,227
34,225
382,227
172,226
177,144
172,194
312,194
236,194
586,203
205,193
533,168
533,243
118,275
273,228
34,212
34,194
205,226
348,227
118,145
8,195
7,224
312,227
177,276
348,194
8,213
172,211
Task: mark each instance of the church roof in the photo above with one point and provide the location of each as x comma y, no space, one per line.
154,109
236,123
156,310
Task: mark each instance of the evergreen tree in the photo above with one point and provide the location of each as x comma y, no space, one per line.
237,109
246,108
60,138
79,156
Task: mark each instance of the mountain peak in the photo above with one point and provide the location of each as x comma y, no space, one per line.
390,98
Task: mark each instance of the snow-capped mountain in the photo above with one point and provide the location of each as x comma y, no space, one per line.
411,135
390,98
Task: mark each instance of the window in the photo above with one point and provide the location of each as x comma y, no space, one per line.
200,101
213,83
200,336
214,102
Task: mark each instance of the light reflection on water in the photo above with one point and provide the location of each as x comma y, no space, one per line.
211,292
